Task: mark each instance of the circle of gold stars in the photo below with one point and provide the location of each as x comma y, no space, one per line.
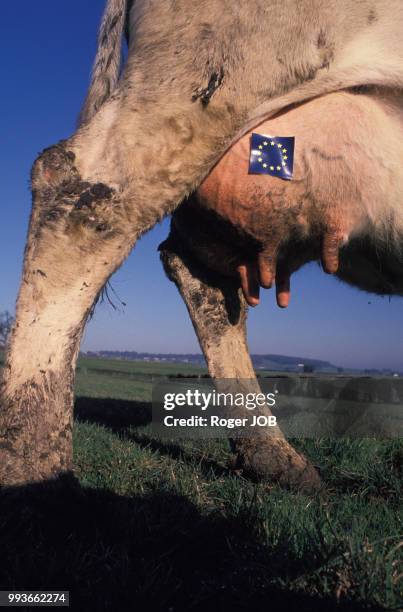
283,153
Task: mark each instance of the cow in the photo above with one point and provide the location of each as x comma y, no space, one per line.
194,84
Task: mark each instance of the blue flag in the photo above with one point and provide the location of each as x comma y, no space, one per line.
272,155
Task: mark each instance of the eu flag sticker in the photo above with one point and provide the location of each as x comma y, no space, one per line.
272,155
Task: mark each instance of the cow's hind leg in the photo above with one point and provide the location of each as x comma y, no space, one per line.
218,313
77,238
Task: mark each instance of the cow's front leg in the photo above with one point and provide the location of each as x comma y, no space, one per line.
218,313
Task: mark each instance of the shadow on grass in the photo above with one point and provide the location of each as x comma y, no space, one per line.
120,415
155,552
116,414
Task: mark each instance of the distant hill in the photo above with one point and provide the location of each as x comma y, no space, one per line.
283,363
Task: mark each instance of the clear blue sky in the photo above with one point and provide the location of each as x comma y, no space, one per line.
47,51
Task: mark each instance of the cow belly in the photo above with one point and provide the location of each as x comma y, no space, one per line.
369,264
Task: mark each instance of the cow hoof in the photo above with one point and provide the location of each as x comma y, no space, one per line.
274,460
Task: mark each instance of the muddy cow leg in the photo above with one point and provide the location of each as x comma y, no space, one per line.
76,239
218,313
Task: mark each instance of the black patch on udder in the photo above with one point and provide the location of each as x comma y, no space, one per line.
372,17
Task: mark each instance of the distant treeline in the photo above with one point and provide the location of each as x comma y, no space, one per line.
266,362
269,361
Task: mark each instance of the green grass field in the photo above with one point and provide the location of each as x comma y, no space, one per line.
157,525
